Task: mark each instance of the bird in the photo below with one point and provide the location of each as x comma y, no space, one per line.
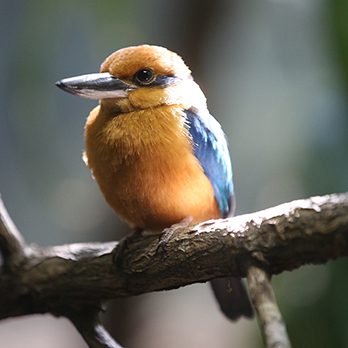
157,154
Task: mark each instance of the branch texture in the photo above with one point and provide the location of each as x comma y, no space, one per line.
65,279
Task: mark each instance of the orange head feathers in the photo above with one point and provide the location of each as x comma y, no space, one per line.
139,77
125,62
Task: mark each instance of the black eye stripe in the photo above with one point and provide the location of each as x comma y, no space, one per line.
147,78
159,81
164,80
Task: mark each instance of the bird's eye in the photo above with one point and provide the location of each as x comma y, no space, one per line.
144,76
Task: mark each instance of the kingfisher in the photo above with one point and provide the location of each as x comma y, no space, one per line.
157,154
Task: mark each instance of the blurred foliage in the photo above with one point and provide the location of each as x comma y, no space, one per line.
338,13
321,320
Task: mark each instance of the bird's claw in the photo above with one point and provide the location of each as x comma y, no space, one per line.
121,247
168,232
119,251
163,241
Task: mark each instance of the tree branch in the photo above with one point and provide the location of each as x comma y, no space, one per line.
265,303
88,324
12,245
282,238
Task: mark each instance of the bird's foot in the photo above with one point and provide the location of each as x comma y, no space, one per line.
168,232
122,246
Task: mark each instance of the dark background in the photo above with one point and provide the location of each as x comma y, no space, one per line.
276,77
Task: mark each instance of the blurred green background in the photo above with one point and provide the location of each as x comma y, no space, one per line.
276,77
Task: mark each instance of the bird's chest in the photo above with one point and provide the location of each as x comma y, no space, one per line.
151,177
154,190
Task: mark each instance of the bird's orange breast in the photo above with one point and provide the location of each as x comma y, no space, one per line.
145,167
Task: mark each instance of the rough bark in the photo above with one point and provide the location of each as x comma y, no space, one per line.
64,280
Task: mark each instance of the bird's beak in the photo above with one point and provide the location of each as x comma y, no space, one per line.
96,86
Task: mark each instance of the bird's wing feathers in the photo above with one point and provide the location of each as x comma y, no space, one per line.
211,150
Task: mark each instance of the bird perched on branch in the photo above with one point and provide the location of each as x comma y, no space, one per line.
157,154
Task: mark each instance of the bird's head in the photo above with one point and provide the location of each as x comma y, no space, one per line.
139,77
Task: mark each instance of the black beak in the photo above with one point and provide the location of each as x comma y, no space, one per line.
96,86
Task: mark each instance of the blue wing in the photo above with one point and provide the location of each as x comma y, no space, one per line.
211,150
